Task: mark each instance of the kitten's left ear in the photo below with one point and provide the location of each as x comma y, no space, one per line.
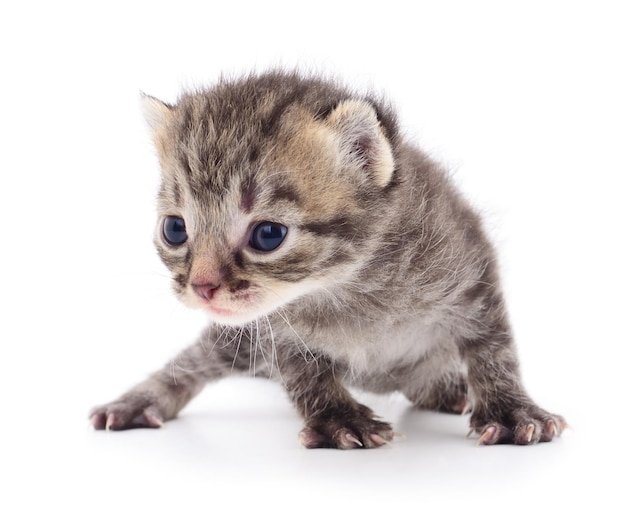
155,112
361,140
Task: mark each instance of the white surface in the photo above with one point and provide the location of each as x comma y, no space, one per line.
527,107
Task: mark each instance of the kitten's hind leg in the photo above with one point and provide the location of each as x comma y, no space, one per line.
161,397
448,394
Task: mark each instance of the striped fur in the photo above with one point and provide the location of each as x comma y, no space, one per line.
385,279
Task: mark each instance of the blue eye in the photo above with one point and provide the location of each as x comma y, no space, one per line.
268,236
174,231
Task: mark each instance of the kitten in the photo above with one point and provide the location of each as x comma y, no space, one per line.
327,251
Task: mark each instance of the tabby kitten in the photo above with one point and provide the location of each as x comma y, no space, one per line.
327,251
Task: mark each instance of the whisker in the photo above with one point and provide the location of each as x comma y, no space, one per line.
232,367
307,350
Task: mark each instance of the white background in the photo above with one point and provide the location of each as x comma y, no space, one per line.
525,103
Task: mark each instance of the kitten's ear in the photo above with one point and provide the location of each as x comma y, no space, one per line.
361,139
155,112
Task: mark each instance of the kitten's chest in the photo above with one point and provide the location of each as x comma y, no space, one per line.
379,346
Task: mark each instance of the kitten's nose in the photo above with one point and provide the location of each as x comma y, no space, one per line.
205,290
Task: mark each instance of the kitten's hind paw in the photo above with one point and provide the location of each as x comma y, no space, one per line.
122,415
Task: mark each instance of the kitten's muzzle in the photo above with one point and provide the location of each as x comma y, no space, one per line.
205,291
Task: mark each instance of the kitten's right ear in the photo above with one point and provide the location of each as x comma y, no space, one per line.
155,112
361,140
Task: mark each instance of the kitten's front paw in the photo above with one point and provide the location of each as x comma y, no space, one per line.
130,411
357,430
525,425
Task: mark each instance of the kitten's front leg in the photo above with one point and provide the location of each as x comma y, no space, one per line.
502,410
333,419
161,396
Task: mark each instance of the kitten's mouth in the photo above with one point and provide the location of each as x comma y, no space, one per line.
219,311
227,316
233,310
216,303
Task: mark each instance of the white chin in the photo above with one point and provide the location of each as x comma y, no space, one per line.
229,317
221,315
232,319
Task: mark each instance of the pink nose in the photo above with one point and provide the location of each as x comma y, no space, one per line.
206,290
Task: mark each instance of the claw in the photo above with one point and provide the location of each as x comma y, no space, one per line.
95,421
311,439
552,428
353,439
153,420
487,435
109,423
469,434
379,440
530,430
399,435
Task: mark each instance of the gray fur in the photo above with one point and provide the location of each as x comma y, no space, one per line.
386,279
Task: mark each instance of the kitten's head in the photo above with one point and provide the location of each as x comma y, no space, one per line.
273,188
